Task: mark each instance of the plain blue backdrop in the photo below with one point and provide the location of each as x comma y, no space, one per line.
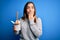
47,10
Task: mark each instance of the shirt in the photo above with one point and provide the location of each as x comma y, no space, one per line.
28,29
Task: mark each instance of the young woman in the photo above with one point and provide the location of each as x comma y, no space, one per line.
29,27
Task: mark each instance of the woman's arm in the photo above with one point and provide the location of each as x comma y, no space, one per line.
36,27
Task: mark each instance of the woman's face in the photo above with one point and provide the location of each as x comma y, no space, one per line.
30,9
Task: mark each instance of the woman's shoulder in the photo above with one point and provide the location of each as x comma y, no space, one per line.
39,19
21,19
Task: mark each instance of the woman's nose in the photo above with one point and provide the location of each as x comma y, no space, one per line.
30,10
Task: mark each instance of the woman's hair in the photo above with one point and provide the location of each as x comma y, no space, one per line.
25,15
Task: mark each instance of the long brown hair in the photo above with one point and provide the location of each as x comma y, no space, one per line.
25,12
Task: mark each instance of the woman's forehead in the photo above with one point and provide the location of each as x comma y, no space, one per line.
30,4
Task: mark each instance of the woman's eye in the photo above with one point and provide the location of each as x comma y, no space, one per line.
32,7
28,7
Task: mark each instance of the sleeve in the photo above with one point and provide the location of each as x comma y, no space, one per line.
18,28
36,27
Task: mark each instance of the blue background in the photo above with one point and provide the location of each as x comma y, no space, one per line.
47,10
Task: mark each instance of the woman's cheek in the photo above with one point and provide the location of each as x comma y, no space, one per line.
27,10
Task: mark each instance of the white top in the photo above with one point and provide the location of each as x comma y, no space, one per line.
29,30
